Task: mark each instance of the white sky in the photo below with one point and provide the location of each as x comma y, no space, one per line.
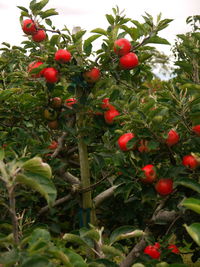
90,14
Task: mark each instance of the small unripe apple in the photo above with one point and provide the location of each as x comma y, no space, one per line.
149,174
128,61
92,75
62,56
56,102
50,114
164,186
122,47
172,138
124,139
51,75
39,36
53,124
28,26
190,162
110,115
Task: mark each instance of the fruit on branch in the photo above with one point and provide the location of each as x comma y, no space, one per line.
110,115
70,102
39,36
53,124
51,75
92,75
62,56
105,103
28,26
174,249
123,141
164,186
128,61
50,114
172,138
149,174
56,102
152,251
53,145
122,47
143,147
190,162
196,129
33,65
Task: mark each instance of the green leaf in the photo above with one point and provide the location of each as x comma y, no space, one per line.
100,31
157,40
48,13
10,257
109,250
40,183
192,203
110,19
192,184
75,259
37,166
125,232
74,239
2,153
194,231
23,8
55,39
92,234
36,261
87,43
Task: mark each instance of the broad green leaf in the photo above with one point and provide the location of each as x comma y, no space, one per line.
40,183
39,233
75,259
37,166
100,31
192,203
93,234
124,232
36,261
40,5
23,8
55,39
87,46
109,250
48,13
74,239
194,231
189,183
110,19
157,40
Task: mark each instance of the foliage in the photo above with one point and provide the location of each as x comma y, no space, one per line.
99,212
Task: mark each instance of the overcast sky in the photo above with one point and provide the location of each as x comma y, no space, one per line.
90,14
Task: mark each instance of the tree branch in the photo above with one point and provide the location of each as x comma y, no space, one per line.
104,195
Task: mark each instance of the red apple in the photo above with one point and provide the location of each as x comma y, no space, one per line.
128,61
34,65
53,145
92,75
70,102
124,139
105,103
164,186
172,138
190,162
56,102
122,47
110,115
196,129
152,251
39,36
62,56
53,125
51,75
149,174
174,249
28,26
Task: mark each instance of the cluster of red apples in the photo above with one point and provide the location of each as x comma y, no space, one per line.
29,27
154,251
163,186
